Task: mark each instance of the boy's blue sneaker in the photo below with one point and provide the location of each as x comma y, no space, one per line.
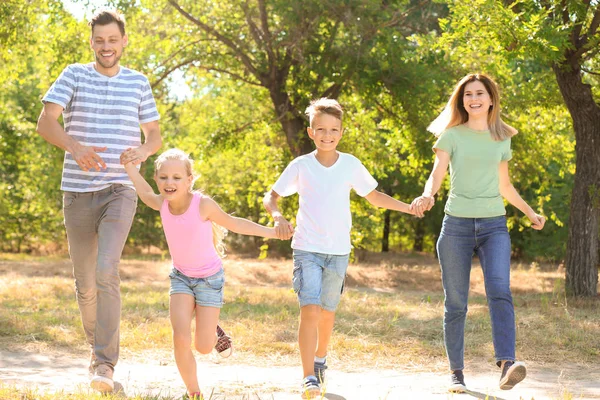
311,389
320,371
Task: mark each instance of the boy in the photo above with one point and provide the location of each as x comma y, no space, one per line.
321,241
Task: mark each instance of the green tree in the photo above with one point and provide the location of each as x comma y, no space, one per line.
297,51
30,59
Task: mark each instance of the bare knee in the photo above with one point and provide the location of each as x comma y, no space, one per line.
205,346
310,314
182,340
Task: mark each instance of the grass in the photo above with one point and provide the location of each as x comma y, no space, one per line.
398,323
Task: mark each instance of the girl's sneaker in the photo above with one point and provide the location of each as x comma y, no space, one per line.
512,373
320,371
457,382
311,390
224,343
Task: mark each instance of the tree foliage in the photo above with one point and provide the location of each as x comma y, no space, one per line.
249,69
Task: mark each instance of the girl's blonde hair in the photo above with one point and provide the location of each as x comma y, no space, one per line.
218,231
455,114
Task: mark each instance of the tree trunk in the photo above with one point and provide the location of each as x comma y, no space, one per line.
385,240
292,123
582,244
419,235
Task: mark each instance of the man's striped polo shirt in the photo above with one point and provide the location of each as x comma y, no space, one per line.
101,111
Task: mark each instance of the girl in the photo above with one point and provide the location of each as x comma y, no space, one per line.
475,142
190,222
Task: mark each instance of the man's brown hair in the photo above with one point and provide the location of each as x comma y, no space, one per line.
108,17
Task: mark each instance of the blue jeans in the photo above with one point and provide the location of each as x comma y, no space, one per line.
319,278
459,239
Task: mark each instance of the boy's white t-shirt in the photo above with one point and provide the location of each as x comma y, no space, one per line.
323,221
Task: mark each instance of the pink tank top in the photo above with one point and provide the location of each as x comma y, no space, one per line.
190,241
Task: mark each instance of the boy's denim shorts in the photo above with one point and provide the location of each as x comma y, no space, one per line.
208,292
319,278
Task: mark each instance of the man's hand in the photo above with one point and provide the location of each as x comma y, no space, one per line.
283,228
135,156
87,157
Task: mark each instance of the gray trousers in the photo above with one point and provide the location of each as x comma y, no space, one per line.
97,225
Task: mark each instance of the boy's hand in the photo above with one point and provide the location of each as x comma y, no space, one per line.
283,228
537,221
421,204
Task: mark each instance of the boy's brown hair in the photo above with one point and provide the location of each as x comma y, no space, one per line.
324,106
106,17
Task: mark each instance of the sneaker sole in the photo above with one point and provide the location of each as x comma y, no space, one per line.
311,394
103,385
514,375
457,389
225,353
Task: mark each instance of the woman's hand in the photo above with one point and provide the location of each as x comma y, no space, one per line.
421,204
537,221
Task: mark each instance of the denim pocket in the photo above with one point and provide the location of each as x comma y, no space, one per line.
68,199
125,192
216,281
297,281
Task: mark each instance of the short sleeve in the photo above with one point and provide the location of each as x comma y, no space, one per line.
147,111
362,181
445,142
287,184
506,150
62,90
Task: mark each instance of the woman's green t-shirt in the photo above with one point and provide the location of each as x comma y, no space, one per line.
474,172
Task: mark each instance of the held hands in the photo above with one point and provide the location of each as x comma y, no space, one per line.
537,221
129,167
421,204
87,157
135,156
283,229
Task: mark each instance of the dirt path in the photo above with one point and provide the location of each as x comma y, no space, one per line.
233,381
252,378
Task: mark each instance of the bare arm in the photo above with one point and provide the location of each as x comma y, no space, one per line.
211,210
143,188
508,191
426,201
49,128
284,229
379,199
152,143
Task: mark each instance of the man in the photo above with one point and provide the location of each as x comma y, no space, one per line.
103,106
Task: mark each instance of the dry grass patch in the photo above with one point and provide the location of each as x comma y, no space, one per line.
390,315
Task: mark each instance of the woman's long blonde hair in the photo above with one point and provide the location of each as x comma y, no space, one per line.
218,231
455,114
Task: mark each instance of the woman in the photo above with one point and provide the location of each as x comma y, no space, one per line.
475,142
